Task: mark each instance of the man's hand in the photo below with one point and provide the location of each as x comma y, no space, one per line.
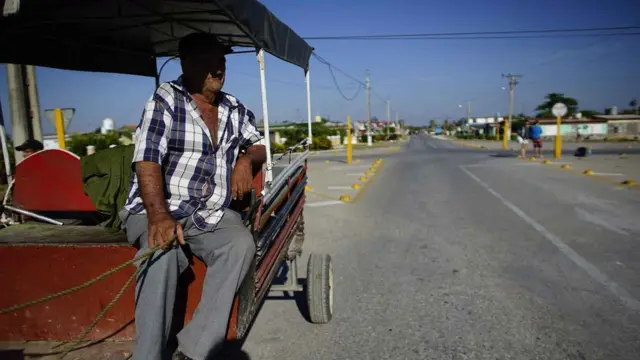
162,228
242,177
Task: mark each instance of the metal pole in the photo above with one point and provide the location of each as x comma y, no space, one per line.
20,126
5,149
33,215
388,116
557,151
60,131
507,126
34,102
368,86
265,115
308,81
349,141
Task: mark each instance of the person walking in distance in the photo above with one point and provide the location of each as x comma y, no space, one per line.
195,151
523,140
535,134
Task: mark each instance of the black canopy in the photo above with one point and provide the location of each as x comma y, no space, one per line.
126,36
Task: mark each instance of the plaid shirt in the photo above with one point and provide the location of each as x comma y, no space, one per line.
197,174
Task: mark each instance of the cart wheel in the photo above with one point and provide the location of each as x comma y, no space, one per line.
320,288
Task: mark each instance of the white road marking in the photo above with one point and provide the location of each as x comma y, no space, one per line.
339,188
355,174
323,203
607,174
589,268
347,167
432,145
596,220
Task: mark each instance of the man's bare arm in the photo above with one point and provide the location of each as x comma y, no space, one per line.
151,188
257,154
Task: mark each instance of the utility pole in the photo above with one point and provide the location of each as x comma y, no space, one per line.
17,99
513,81
468,111
33,101
388,116
368,86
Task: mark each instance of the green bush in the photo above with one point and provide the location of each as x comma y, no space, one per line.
321,143
299,132
277,148
79,142
379,137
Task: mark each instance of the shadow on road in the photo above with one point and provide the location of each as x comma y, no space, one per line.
12,354
299,296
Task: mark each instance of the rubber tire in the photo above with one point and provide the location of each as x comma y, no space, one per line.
320,288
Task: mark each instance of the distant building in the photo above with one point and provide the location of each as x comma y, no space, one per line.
621,125
597,126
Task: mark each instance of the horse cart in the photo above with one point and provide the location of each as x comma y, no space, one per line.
57,236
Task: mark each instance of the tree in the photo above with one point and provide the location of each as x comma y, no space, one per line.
634,105
544,109
432,124
589,113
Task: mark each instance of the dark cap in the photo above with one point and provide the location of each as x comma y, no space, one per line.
197,42
32,144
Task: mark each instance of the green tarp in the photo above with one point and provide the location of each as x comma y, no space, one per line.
106,176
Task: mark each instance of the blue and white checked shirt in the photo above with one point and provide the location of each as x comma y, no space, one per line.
197,175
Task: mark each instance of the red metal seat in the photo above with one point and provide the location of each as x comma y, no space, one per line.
50,181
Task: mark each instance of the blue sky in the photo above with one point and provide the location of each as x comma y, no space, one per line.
425,79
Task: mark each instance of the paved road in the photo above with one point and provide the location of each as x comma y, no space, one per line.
568,148
453,254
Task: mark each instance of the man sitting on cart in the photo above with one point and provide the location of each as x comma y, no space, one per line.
195,151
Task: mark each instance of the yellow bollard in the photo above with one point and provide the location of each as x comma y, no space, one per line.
588,172
345,198
364,178
60,128
565,166
356,186
504,136
558,144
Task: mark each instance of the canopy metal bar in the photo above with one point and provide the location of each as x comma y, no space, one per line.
308,81
265,115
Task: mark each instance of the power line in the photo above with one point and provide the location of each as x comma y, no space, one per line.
335,81
448,35
554,37
330,65
366,85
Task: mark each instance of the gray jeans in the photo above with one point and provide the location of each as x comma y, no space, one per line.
227,252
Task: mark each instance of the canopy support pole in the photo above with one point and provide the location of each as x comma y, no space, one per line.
265,115
5,149
308,81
